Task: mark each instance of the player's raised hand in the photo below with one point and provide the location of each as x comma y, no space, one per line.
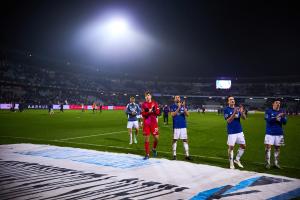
179,104
242,109
281,114
236,109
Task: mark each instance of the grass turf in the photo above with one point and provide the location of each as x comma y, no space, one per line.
207,136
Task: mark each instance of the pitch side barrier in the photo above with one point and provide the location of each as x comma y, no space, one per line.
57,107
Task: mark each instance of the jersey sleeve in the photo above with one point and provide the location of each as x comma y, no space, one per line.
157,110
283,120
226,114
127,111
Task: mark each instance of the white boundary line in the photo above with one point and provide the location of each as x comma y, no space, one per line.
109,133
100,145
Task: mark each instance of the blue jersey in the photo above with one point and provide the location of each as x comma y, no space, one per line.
234,126
132,108
274,126
179,119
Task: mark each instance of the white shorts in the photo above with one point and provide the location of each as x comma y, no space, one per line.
132,124
277,140
180,133
237,138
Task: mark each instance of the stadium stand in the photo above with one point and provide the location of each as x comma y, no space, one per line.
34,81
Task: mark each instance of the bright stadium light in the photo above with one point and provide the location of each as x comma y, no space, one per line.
117,27
114,37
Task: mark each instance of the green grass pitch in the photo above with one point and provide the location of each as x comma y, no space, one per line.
107,131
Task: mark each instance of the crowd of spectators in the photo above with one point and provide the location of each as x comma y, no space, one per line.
39,84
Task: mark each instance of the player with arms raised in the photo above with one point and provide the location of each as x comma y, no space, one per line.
150,111
232,115
275,118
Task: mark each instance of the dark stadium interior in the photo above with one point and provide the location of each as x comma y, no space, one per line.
193,44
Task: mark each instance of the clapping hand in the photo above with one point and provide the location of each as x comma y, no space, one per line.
179,104
242,109
236,110
281,115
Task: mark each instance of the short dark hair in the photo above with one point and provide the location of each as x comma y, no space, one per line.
229,97
147,92
275,99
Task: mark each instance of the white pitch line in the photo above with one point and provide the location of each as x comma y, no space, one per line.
100,145
109,133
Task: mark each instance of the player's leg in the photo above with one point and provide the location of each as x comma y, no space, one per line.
239,154
136,126
147,147
276,156
174,147
175,138
135,135
241,141
230,156
183,136
155,142
268,155
186,149
231,142
269,141
129,127
130,135
278,142
146,132
154,131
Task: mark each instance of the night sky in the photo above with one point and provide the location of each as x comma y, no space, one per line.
192,38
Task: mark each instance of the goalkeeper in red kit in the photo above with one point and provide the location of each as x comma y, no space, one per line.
150,111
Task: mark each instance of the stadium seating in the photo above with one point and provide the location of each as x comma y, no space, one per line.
40,83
